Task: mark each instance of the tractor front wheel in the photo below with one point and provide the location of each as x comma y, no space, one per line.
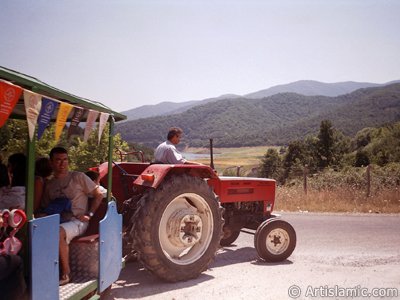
275,240
177,228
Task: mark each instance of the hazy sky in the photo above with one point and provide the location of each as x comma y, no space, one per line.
130,53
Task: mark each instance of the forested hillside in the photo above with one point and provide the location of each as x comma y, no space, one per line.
168,108
302,87
274,120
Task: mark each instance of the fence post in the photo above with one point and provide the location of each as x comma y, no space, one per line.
238,171
305,172
368,180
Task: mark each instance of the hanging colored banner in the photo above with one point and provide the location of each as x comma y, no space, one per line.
102,123
46,112
33,103
62,115
9,95
75,120
91,118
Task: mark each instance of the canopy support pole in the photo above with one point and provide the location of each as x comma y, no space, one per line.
30,179
110,157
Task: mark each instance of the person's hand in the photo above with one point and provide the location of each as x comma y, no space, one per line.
83,218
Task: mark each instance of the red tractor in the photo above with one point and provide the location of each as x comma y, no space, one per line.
175,217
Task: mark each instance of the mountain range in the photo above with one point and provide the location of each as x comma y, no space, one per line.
274,119
303,87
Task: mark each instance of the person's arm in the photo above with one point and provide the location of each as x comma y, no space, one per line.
97,197
176,156
96,201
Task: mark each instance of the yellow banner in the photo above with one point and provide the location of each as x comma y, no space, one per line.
63,112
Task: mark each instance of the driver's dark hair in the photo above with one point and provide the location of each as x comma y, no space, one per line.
173,131
57,150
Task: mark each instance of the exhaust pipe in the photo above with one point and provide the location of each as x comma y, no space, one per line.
211,155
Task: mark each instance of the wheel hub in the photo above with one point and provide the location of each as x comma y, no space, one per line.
277,241
185,228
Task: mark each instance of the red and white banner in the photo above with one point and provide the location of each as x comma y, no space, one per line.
91,118
33,103
9,95
102,123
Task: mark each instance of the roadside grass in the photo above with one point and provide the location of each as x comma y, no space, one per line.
337,200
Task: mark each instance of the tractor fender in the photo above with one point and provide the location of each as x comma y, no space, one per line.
272,217
154,174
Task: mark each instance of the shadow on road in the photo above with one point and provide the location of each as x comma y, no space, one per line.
233,255
135,282
260,262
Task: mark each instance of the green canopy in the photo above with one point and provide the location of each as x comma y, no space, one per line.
39,87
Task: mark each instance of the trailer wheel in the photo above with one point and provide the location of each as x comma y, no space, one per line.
275,240
177,228
230,235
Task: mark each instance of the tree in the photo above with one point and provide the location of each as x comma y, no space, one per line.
5,136
91,153
271,164
17,135
294,159
325,144
331,146
361,159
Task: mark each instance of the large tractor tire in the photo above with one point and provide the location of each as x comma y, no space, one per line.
177,228
275,240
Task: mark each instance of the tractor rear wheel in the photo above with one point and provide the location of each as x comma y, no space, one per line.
275,240
177,228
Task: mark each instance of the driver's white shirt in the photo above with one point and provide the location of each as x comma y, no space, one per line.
167,153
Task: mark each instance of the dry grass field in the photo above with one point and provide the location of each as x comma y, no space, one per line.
337,200
229,158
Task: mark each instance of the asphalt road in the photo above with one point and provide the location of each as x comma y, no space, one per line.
337,255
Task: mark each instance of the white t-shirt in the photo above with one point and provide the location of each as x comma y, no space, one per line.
167,153
76,186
